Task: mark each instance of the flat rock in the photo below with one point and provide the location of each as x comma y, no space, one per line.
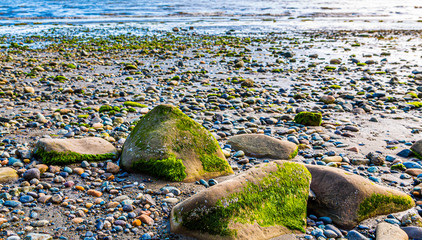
65,151
387,231
413,232
263,146
37,236
348,198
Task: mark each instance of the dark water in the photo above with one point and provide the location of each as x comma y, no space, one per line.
215,16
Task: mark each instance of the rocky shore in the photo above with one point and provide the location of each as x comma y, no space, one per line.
311,135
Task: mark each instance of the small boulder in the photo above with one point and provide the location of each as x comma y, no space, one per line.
308,118
327,99
112,168
8,175
266,201
387,231
67,151
348,198
166,143
417,149
263,146
32,173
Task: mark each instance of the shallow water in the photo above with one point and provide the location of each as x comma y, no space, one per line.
216,16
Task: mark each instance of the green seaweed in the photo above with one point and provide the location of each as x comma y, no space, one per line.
134,104
170,169
63,158
399,166
378,204
415,104
308,118
294,153
274,200
417,155
105,108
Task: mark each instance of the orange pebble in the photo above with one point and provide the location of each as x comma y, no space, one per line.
79,188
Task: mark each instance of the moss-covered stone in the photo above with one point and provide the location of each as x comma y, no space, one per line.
308,118
134,104
63,158
272,196
67,151
167,134
378,204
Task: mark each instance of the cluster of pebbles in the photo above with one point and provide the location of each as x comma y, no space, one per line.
367,85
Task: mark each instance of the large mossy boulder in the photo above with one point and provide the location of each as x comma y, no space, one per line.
263,146
266,201
417,149
308,118
67,151
166,143
349,198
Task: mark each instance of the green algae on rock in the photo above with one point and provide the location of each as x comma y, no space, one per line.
67,151
308,118
349,198
378,204
167,143
266,201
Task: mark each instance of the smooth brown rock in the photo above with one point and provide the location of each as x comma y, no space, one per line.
413,171
112,168
340,193
94,193
146,219
263,146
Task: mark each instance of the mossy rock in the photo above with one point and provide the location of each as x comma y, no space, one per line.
349,198
166,143
417,149
308,118
266,201
67,151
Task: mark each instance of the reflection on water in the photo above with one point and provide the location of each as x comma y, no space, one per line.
219,15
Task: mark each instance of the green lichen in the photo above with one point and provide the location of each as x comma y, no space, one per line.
378,204
308,118
294,153
275,200
415,104
170,169
399,166
105,108
134,104
64,158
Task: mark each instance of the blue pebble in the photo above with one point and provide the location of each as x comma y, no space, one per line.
146,236
412,165
392,221
355,235
375,179
26,199
326,220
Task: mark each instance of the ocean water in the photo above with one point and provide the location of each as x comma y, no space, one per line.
216,16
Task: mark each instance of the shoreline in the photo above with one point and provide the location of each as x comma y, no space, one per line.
52,90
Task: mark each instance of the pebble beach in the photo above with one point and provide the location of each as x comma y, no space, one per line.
341,106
